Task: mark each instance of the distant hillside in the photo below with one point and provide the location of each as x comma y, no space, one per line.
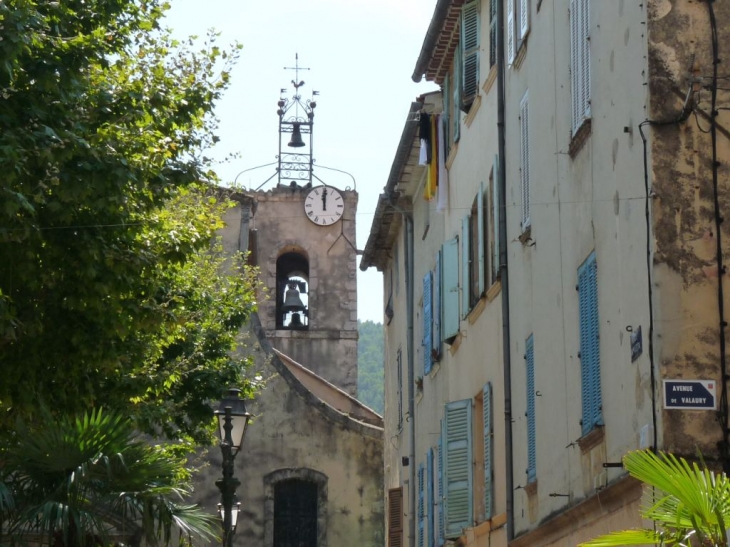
370,365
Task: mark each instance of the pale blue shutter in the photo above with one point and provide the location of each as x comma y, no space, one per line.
458,467
487,420
441,493
456,107
446,94
427,324
465,289
421,508
480,236
450,289
589,344
495,218
430,499
470,51
436,307
531,431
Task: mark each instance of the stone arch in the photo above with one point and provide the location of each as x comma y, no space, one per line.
292,287
305,475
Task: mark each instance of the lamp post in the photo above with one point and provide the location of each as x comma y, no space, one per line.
232,422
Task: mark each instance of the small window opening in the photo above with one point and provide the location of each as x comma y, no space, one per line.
292,292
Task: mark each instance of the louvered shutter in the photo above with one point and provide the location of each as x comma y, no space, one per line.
487,420
510,31
456,94
446,95
480,237
465,256
441,492
575,76
525,161
585,24
436,308
470,51
458,467
395,517
430,504
450,289
580,61
531,430
589,344
427,324
495,217
524,18
492,32
421,508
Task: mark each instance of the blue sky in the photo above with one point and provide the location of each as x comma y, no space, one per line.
361,54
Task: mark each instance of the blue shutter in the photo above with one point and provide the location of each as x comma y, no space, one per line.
421,508
427,324
531,430
590,358
495,216
480,236
458,467
441,493
487,420
436,307
465,278
450,289
430,505
469,49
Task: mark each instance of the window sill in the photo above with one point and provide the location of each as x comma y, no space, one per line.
434,370
526,235
579,138
521,52
473,111
491,78
591,439
452,155
477,310
494,290
531,489
455,344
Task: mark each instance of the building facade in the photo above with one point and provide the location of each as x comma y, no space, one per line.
609,120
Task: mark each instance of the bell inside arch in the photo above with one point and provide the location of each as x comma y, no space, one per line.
292,301
296,137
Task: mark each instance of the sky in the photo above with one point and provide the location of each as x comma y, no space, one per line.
361,54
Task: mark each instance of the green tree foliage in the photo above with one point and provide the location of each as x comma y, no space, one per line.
109,293
689,504
87,481
370,363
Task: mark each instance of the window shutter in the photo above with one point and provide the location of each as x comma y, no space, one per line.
450,289
441,493
480,237
458,467
575,78
580,61
510,32
492,32
524,18
446,94
495,217
427,324
525,161
531,430
395,517
430,506
590,362
585,23
488,489
456,107
421,508
465,266
436,307
470,52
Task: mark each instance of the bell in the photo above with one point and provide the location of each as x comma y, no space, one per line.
296,320
296,137
292,302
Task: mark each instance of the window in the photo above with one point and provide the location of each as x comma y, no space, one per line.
441,539
518,26
458,507
295,513
469,54
450,290
476,252
531,431
488,453
421,506
492,33
292,298
525,161
395,517
580,62
430,501
446,115
479,249
399,390
590,362
493,225
482,435
432,316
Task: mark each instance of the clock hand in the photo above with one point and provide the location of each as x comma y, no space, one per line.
324,199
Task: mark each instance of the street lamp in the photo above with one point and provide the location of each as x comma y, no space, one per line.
232,422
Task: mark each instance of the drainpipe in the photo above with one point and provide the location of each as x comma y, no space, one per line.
408,219
503,272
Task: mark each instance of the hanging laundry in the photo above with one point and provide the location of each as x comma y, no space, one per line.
432,178
442,201
424,132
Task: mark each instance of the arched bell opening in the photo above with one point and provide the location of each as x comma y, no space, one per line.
292,292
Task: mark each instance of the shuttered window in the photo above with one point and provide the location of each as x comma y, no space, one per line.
590,361
470,53
531,431
481,239
395,517
524,9
525,161
427,322
456,96
436,309
450,290
441,492
492,33
488,453
458,467
399,392
421,507
430,503
580,62
446,116
465,271
494,221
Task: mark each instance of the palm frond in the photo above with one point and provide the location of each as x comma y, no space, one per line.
629,537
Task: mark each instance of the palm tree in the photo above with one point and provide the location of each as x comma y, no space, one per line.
689,504
88,481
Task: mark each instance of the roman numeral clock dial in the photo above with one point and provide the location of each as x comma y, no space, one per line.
324,205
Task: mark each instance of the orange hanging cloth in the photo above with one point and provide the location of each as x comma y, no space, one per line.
432,177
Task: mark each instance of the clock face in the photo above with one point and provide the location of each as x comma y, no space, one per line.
324,205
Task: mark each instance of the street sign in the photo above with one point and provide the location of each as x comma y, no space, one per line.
689,394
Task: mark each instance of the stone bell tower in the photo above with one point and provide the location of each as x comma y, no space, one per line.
302,237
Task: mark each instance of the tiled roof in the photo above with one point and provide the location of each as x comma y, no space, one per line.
440,42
